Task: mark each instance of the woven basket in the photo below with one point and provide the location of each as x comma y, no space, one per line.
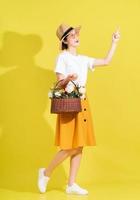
66,105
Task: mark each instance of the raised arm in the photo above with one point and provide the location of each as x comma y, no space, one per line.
108,58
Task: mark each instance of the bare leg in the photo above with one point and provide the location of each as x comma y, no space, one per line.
74,165
59,157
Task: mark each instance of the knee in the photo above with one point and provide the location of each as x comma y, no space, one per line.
73,151
77,150
68,152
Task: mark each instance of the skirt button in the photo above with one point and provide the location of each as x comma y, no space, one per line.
85,109
85,120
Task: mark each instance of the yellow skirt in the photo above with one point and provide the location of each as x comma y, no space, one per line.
75,129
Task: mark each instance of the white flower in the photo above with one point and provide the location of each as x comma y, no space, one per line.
82,90
50,95
57,94
69,88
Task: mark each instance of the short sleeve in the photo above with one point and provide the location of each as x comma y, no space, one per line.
60,65
90,62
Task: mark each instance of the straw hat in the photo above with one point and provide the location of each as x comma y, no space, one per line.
64,30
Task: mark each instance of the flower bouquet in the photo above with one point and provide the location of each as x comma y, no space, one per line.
66,99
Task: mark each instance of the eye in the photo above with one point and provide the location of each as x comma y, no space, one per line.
72,35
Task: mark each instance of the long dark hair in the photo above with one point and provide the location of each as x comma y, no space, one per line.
64,45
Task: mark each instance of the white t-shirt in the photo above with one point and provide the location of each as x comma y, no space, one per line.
67,63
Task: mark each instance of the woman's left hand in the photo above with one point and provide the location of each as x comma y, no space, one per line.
116,36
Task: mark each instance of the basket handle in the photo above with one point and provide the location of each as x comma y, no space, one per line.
58,83
62,80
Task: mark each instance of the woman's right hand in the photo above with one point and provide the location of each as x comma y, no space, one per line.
64,82
72,77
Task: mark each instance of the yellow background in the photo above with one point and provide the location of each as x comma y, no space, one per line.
28,48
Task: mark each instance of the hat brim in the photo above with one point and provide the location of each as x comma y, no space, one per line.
77,30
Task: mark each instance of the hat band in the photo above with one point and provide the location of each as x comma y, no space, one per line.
66,32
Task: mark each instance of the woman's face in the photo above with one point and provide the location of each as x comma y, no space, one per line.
73,39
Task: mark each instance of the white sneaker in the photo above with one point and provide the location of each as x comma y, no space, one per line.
75,189
42,180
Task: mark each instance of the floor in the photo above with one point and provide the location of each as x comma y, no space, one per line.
108,191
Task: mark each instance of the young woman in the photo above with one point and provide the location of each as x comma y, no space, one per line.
73,131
